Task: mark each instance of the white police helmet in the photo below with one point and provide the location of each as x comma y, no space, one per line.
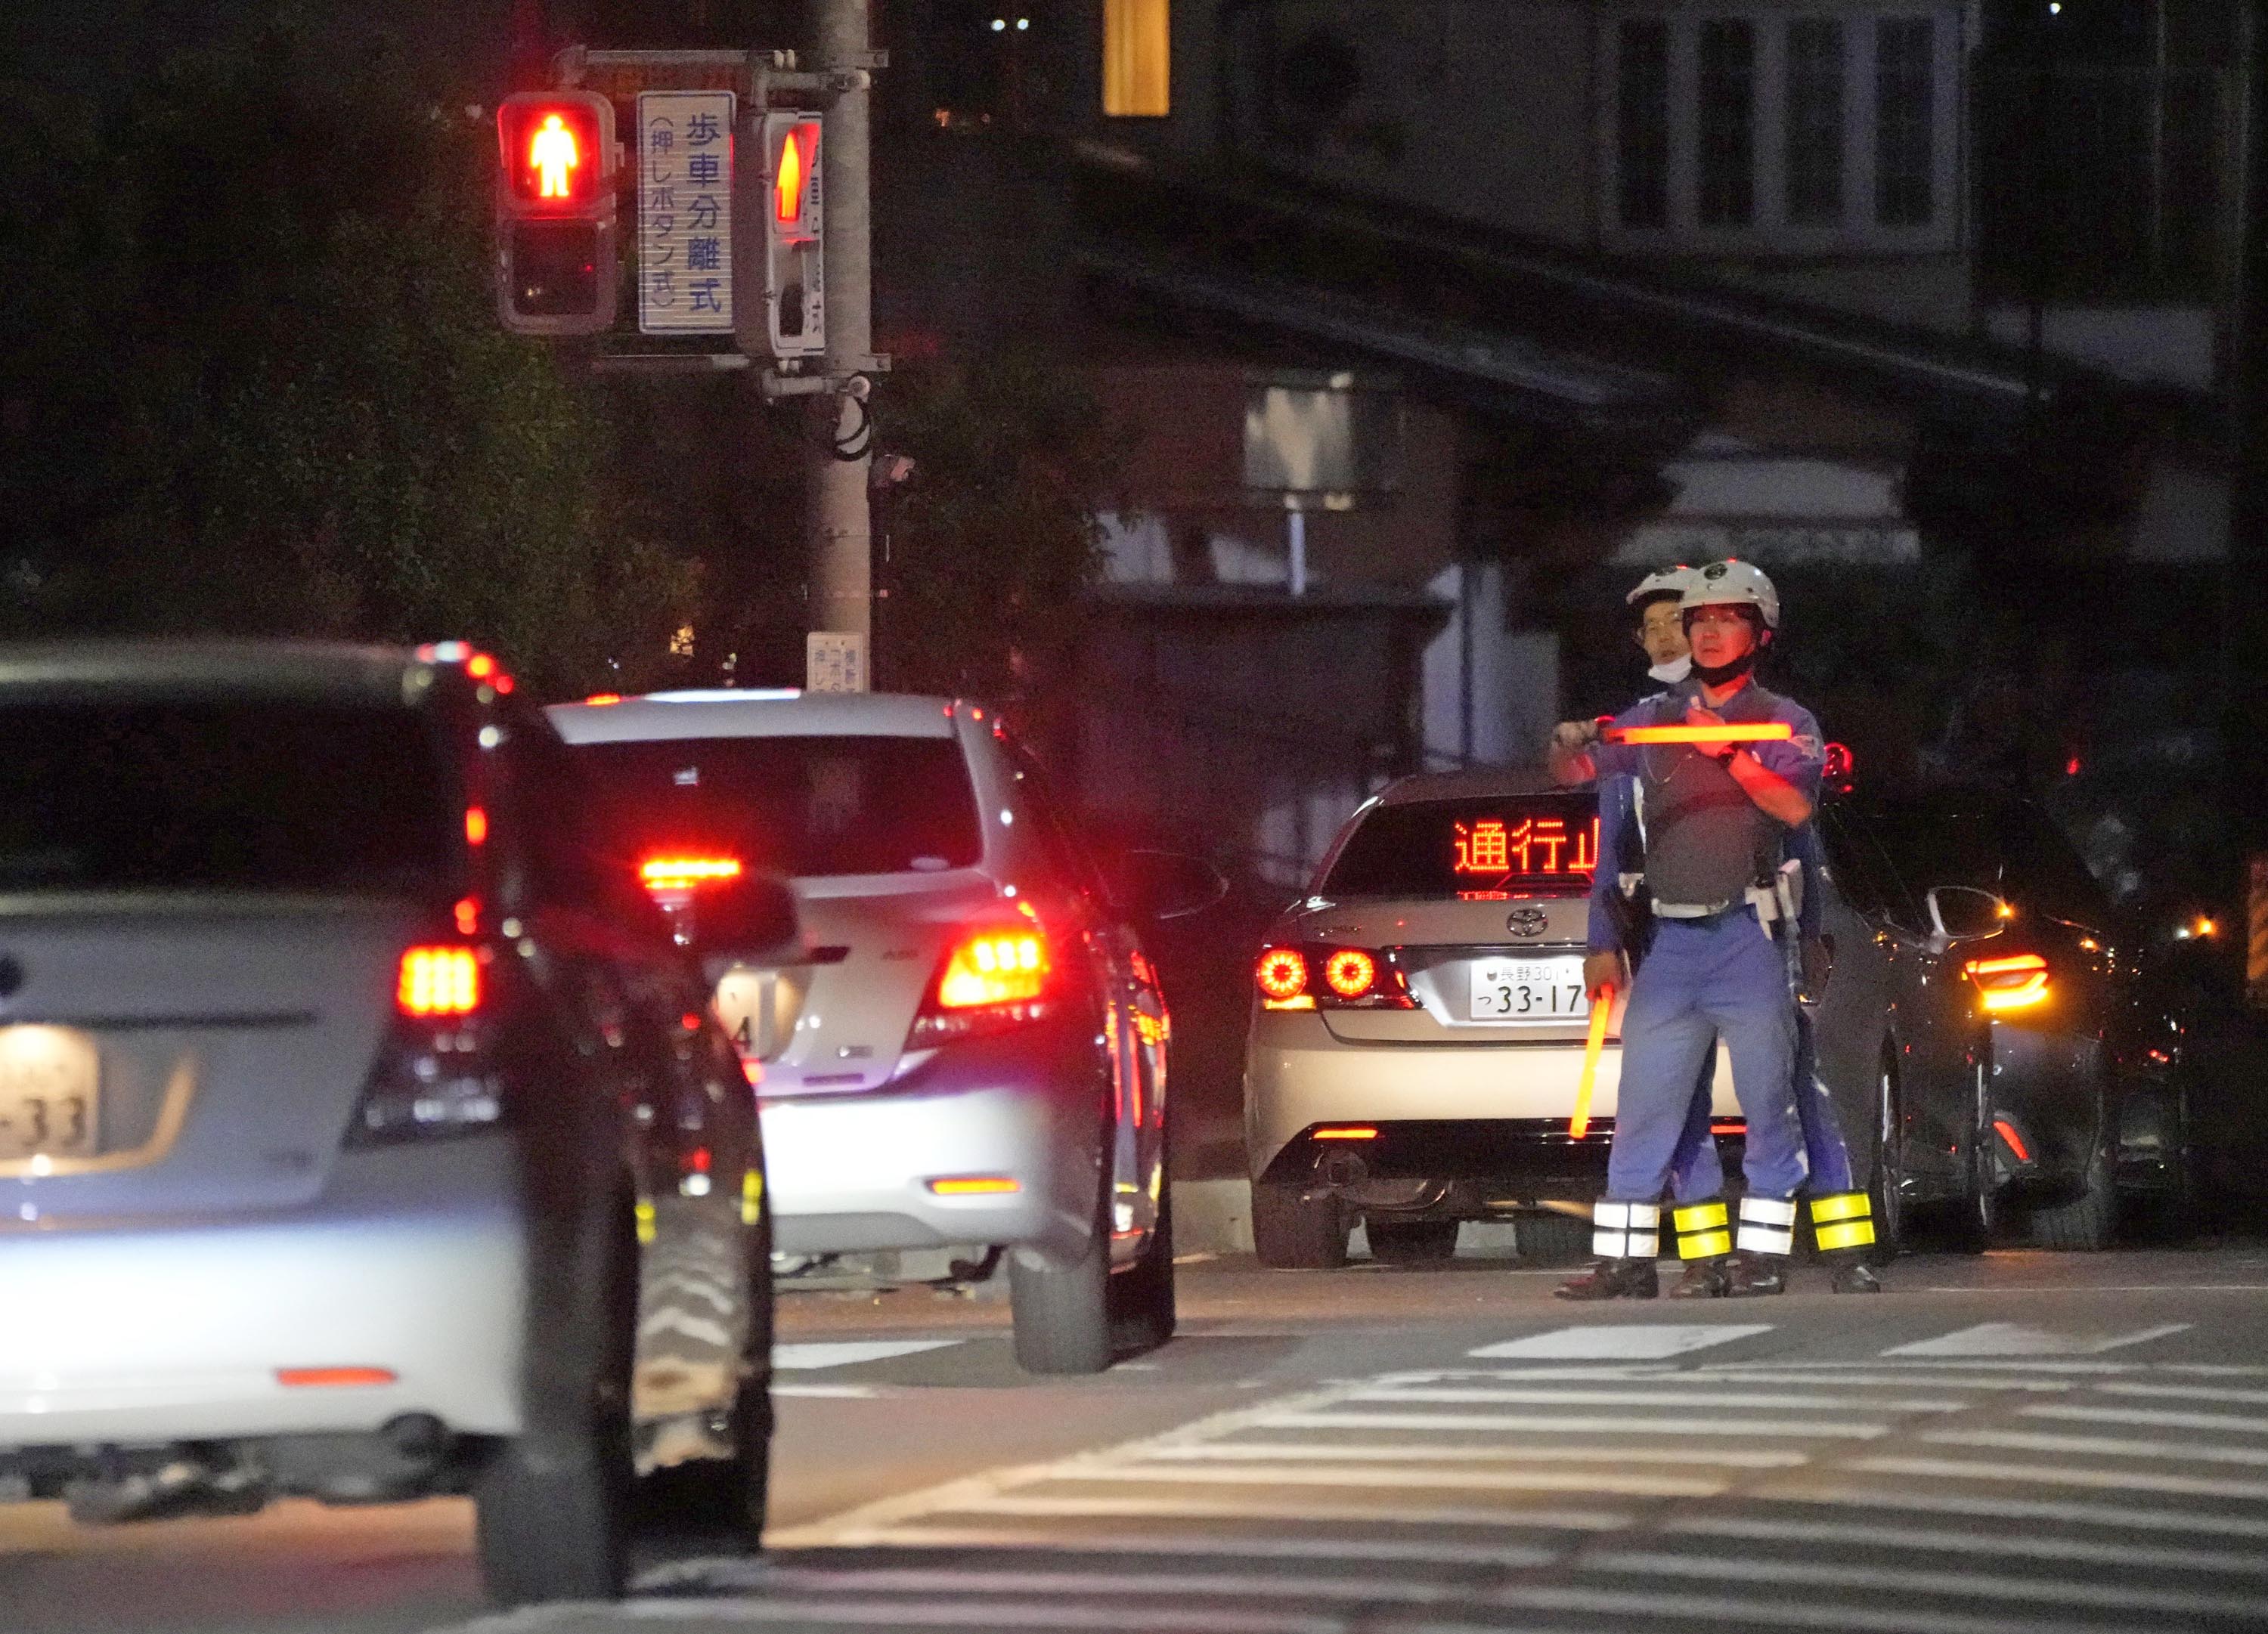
1732,583
1669,581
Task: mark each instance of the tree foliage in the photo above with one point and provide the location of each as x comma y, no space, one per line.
251,379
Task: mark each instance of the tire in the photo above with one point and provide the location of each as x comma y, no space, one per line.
716,1505
1552,1239
2167,1217
1062,1312
1976,1212
1143,1296
2087,1223
1293,1230
1411,1242
1886,1171
553,1516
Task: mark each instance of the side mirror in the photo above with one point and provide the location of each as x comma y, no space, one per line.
751,921
1165,884
1962,913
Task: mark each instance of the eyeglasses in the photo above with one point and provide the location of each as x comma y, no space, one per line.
1719,613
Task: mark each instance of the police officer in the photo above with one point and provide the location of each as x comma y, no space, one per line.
1714,816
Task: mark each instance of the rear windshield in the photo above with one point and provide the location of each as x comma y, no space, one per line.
1509,845
801,806
248,793
2006,846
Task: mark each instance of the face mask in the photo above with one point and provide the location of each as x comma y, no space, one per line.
1670,673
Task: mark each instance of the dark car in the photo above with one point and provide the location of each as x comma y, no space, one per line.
2076,1054
366,1136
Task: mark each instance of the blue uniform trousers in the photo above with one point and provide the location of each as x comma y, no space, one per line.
1696,1173
1703,979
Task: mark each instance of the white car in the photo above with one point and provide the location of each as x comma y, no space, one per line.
972,1054
359,1139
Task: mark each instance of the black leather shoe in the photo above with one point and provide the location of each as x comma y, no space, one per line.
1853,1275
1753,1274
1704,1280
1613,1279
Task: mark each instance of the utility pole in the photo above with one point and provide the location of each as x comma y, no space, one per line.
841,531
2245,630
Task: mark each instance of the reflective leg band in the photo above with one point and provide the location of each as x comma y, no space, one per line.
1844,1205
1768,1212
1766,1240
1702,1233
1768,1225
1850,1234
1625,1231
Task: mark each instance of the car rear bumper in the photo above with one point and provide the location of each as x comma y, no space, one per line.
1297,1074
411,1265
858,1172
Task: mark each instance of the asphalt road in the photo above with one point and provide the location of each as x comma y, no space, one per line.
2022,1442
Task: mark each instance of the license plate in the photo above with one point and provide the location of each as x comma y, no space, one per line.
49,1083
1529,989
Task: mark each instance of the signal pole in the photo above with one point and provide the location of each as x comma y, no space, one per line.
841,532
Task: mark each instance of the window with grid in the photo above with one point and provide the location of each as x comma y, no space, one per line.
1905,108
1815,122
1728,113
1642,123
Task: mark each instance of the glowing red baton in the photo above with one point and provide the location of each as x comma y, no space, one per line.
1729,732
1593,1048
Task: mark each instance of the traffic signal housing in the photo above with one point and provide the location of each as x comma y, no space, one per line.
557,259
790,321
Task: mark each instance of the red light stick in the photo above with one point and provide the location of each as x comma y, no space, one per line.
1728,731
1594,1046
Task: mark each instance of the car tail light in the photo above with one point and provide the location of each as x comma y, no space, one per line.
435,1074
991,979
2014,983
664,875
438,982
1282,976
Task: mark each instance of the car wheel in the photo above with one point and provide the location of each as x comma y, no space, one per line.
1061,1311
2169,1214
1411,1242
1143,1295
1886,1173
716,1505
2086,1222
1293,1230
552,1511
1552,1238
1977,1211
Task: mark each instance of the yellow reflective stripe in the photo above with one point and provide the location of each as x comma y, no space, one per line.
1854,1235
1700,1217
1705,1245
752,1197
1844,1205
645,1230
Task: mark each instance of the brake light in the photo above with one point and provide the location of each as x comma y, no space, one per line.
990,981
604,698
1282,974
1347,1131
2014,983
684,873
438,982
995,967
1349,972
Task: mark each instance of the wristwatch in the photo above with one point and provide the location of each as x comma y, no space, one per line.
1724,756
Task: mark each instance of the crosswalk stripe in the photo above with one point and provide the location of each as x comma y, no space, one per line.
831,1611
2222,1424
1056,1582
2053,1475
1849,1575
2123,1517
2017,1339
2102,1447
1839,1617
1659,1397
1625,1341
1541,1423
2185,1392
1414,1552
1465,1480
1901,1379
1259,1506
1733,1457
1933,1540
815,1354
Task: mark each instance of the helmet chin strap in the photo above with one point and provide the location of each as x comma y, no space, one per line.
1718,675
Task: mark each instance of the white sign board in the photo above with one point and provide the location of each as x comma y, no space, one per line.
835,660
685,212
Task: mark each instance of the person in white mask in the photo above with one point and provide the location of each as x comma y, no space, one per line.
1660,635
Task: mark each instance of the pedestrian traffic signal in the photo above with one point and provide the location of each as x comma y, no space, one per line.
556,259
794,312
